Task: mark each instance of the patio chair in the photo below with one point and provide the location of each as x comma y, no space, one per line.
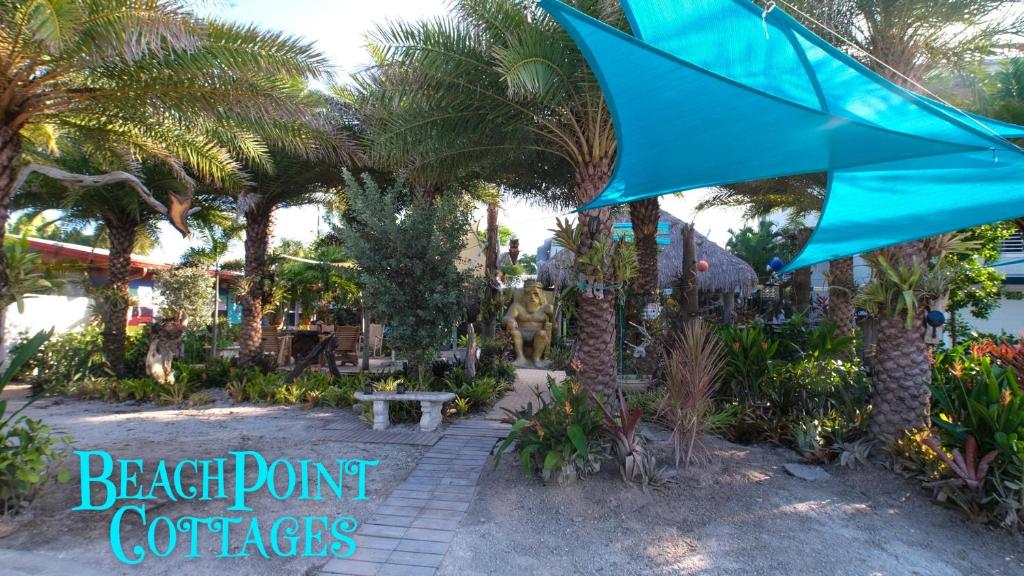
270,343
346,349
376,339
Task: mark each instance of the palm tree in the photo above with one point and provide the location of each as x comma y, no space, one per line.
913,39
498,92
122,218
799,196
294,182
205,97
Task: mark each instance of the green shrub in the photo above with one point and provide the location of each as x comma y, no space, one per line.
29,449
978,414
562,436
338,397
64,360
749,352
140,389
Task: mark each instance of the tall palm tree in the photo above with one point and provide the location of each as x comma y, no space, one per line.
123,218
800,196
294,182
905,41
204,96
497,91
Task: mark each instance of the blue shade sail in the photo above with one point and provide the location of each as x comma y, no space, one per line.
713,92
905,200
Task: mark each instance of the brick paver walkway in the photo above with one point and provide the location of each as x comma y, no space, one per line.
411,530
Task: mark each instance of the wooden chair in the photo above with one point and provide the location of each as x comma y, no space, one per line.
376,339
269,341
347,345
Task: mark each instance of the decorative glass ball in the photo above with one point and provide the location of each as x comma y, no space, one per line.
703,266
776,264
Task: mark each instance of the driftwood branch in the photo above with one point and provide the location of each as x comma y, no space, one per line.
180,207
116,177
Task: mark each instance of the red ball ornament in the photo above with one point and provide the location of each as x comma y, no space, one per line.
703,266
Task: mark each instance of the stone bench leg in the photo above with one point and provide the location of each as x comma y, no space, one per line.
431,418
380,415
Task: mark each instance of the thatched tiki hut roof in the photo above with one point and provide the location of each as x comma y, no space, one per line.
726,273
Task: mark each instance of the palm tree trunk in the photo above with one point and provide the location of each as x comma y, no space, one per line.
901,370
801,281
257,244
490,308
597,334
10,152
115,309
644,216
840,295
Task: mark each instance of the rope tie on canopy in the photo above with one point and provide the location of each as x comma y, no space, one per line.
771,4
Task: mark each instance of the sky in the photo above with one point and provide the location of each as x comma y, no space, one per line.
339,29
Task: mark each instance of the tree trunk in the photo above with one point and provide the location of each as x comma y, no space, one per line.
597,334
801,281
644,215
10,152
689,305
901,370
121,230
841,290
257,244
491,311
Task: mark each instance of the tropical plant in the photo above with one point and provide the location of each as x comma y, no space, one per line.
756,247
29,449
636,464
185,293
902,286
749,351
561,439
498,91
146,80
693,367
27,274
406,257
905,41
299,177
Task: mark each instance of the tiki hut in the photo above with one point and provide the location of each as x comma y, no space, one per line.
726,273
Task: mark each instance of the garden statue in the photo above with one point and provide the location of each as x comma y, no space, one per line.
530,320
164,340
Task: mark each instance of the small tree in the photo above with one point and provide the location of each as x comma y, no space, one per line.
185,293
407,257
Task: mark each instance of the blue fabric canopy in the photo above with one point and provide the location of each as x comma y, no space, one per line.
713,92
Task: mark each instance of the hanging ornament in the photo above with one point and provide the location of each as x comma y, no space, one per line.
703,266
776,264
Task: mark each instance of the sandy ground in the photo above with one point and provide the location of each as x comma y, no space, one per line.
152,433
741,514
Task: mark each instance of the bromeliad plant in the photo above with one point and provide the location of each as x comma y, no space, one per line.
636,464
561,439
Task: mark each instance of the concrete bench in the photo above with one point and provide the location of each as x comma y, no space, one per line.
430,403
